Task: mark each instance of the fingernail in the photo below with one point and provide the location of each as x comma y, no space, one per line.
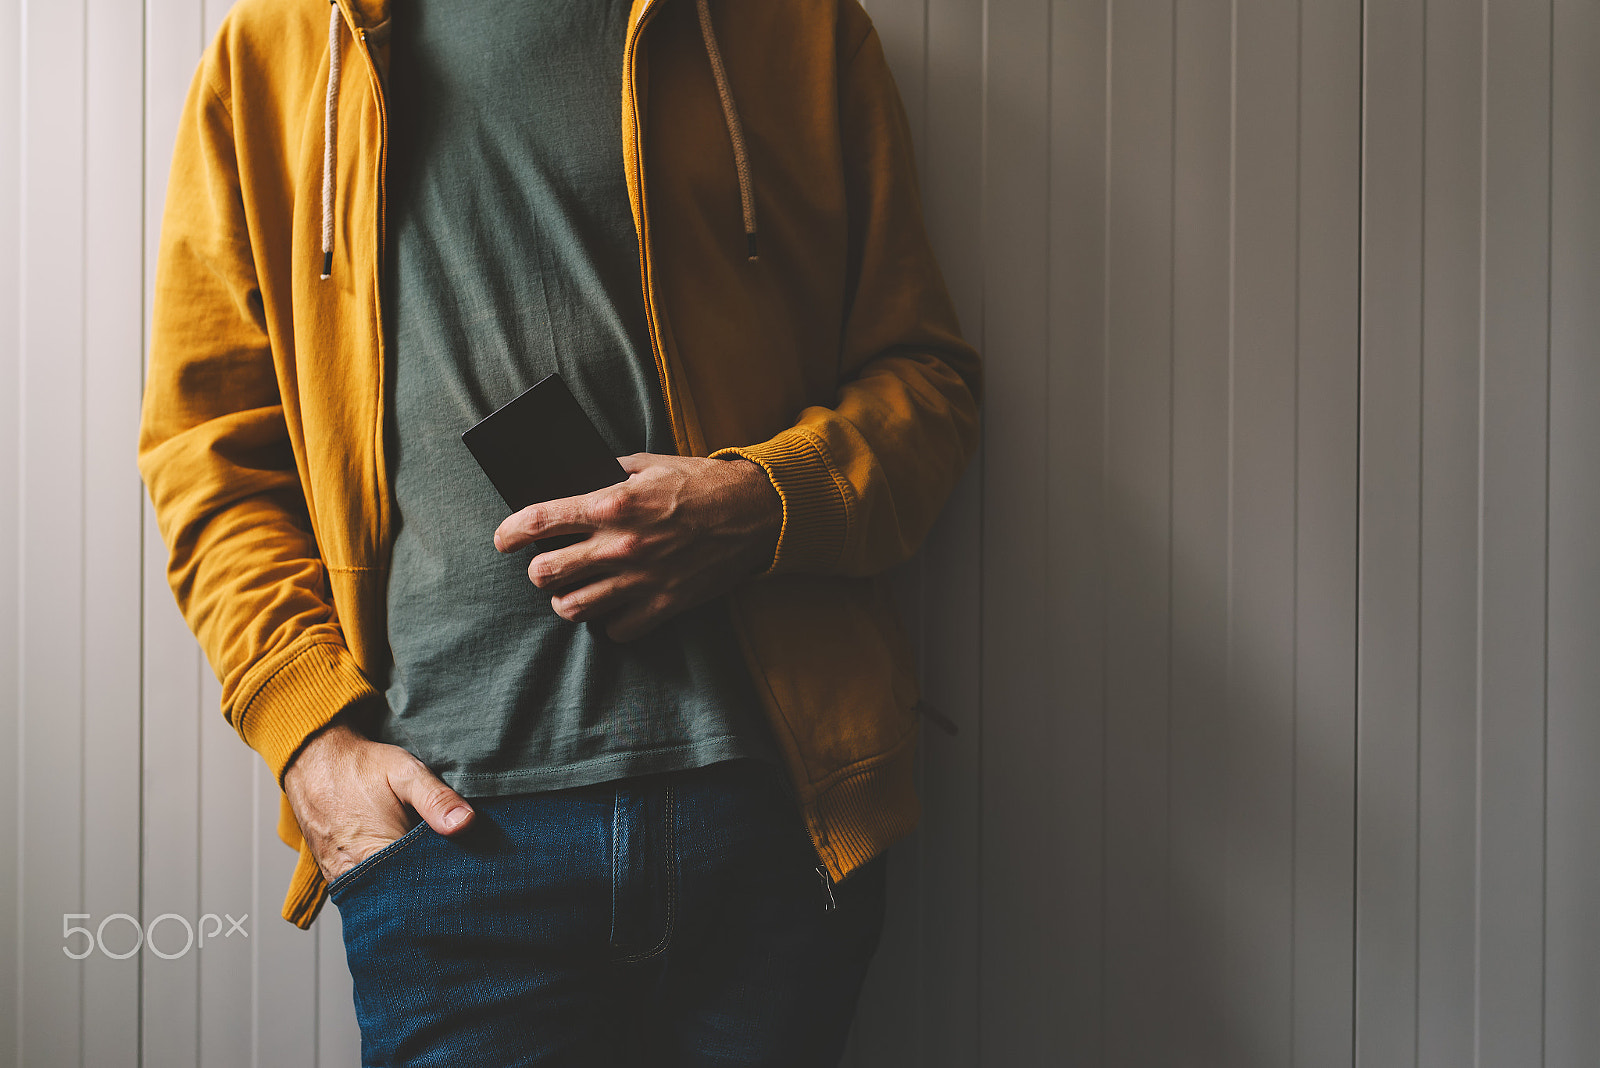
456,817
497,542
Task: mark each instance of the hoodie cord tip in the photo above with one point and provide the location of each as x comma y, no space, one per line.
330,129
730,115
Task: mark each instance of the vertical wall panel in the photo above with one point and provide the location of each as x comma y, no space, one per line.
1572,965
338,1037
1201,338
949,874
227,809
902,27
1076,514
50,506
1137,491
1512,583
173,667
1386,890
1454,517
1021,867
949,626
1261,587
285,956
113,329
10,525
1447,757
1327,416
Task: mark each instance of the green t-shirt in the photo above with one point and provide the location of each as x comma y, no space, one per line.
513,254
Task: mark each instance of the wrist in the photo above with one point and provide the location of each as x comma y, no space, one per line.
765,510
337,733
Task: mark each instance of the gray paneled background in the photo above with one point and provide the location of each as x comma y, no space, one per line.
1270,612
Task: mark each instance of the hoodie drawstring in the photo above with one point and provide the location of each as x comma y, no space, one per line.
730,115
330,124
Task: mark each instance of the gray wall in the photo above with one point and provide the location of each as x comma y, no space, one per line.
1269,614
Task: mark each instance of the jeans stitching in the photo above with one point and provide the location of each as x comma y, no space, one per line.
369,863
669,857
616,887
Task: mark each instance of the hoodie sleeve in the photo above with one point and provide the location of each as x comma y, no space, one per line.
862,481
215,454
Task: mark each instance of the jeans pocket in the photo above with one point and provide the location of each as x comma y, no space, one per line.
373,860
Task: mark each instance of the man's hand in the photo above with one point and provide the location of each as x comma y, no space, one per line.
678,532
349,794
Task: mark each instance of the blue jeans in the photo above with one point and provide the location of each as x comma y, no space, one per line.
666,920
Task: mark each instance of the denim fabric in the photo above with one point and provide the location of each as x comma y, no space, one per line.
665,920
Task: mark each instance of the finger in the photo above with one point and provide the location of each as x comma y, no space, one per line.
570,564
564,515
596,599
440,807
606,552
346,854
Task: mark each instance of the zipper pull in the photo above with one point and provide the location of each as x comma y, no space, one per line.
827,888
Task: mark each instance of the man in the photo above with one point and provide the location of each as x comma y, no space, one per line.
654,772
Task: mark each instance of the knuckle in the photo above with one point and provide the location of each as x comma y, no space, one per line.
408,776
607,510
626,504
435,797
583,608
409,762
627,544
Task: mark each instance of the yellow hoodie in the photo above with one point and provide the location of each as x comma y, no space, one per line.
797,318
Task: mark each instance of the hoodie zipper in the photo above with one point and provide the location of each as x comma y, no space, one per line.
827,888
383,146
674,415
823,877
680,435
383,237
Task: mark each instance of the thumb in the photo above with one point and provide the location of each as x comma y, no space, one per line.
439,806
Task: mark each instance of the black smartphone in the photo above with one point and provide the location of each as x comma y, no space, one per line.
540,446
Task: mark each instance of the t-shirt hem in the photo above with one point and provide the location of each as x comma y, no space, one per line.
612,766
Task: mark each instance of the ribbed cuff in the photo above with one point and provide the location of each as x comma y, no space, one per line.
816,512
298,698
